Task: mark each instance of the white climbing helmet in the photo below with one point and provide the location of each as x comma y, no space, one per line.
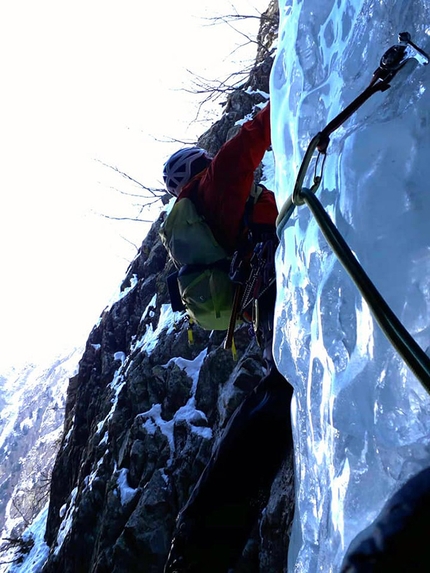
182,166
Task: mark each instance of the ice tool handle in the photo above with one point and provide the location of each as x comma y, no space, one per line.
391,62
389,65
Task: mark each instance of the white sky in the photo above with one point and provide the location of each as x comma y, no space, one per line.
86,80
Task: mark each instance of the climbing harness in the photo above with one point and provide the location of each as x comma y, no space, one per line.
253,276
249,270
261,278
391,62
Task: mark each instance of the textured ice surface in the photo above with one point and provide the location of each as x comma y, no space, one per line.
362,420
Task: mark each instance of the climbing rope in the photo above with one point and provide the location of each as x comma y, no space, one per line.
391,62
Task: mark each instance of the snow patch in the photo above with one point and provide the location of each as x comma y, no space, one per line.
126,493
152,419
66,524
119,356
167,321
36,558
148,310
116,386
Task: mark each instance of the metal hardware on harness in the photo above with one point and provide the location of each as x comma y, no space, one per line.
229,340
256,320
248,276
261,274
256,265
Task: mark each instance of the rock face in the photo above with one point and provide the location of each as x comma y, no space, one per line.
131,451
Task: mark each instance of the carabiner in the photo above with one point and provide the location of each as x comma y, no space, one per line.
313,145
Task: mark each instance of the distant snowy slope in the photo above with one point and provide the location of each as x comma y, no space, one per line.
31,418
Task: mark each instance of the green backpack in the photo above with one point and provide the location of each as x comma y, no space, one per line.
202,276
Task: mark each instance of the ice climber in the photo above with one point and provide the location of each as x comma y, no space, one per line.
213,527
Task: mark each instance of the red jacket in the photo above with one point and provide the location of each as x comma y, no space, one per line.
220,191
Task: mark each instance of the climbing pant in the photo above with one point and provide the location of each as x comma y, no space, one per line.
397,541
215,524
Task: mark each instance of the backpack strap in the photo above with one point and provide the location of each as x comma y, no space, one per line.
204,272
254,195
175,295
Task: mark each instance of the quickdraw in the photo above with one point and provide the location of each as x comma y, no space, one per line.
391,62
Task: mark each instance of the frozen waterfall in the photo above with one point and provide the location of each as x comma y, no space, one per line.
361,417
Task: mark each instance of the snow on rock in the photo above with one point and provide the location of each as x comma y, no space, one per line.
167,320
67,521
191,367
32,403
33,561
126,493
152,419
